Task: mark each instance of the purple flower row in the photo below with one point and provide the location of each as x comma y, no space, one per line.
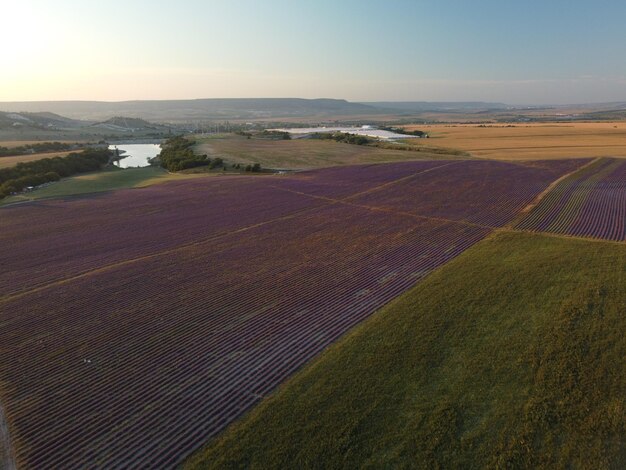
191,301
591,203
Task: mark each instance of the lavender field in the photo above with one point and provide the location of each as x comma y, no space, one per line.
141,331
590,203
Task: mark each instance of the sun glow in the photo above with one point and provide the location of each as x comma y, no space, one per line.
24,36
41,52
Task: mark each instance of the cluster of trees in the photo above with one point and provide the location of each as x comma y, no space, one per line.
22,175
254,168
266,134
277,135
344,137
39,147
177,154
216,163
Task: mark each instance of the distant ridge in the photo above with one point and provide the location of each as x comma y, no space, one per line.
40,120
279,109
215,108
447,106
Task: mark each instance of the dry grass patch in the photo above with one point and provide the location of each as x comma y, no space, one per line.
303,153
18,143
6,162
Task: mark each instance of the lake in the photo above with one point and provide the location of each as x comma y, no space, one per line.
367,131
135,155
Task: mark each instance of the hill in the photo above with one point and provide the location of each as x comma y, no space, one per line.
37,120
45,125
413,107
181,110
127,124
315,110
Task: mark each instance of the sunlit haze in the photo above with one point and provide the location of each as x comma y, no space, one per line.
515,52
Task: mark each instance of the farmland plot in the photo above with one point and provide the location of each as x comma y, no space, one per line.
137,324
590,203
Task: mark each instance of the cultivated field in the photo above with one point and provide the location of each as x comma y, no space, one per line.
530,141
590,203
510,356
302,153
19,143
140,323
6,162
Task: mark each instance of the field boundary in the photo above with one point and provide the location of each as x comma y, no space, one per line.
399,180
526,210
346,202
558,235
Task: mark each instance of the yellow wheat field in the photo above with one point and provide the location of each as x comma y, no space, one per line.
530,141
6,162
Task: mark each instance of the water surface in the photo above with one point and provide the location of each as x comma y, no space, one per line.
135,155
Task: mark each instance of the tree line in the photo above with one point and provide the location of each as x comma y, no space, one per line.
38,147
254,168
23,175
344,137
402,130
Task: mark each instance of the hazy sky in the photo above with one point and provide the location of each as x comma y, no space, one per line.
548,51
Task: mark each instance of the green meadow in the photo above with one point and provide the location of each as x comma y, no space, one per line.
106,180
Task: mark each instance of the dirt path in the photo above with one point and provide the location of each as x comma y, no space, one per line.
7,461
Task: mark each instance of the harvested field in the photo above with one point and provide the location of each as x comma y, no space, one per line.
590,203
17,143
133,347
530,141
6,162
303,153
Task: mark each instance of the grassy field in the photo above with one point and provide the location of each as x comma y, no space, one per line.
100,181
6,162
302,153
531,141
512,355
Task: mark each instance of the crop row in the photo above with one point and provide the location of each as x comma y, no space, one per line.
480,192
126,225
590,203
135,223
286,294
138,364
156,219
